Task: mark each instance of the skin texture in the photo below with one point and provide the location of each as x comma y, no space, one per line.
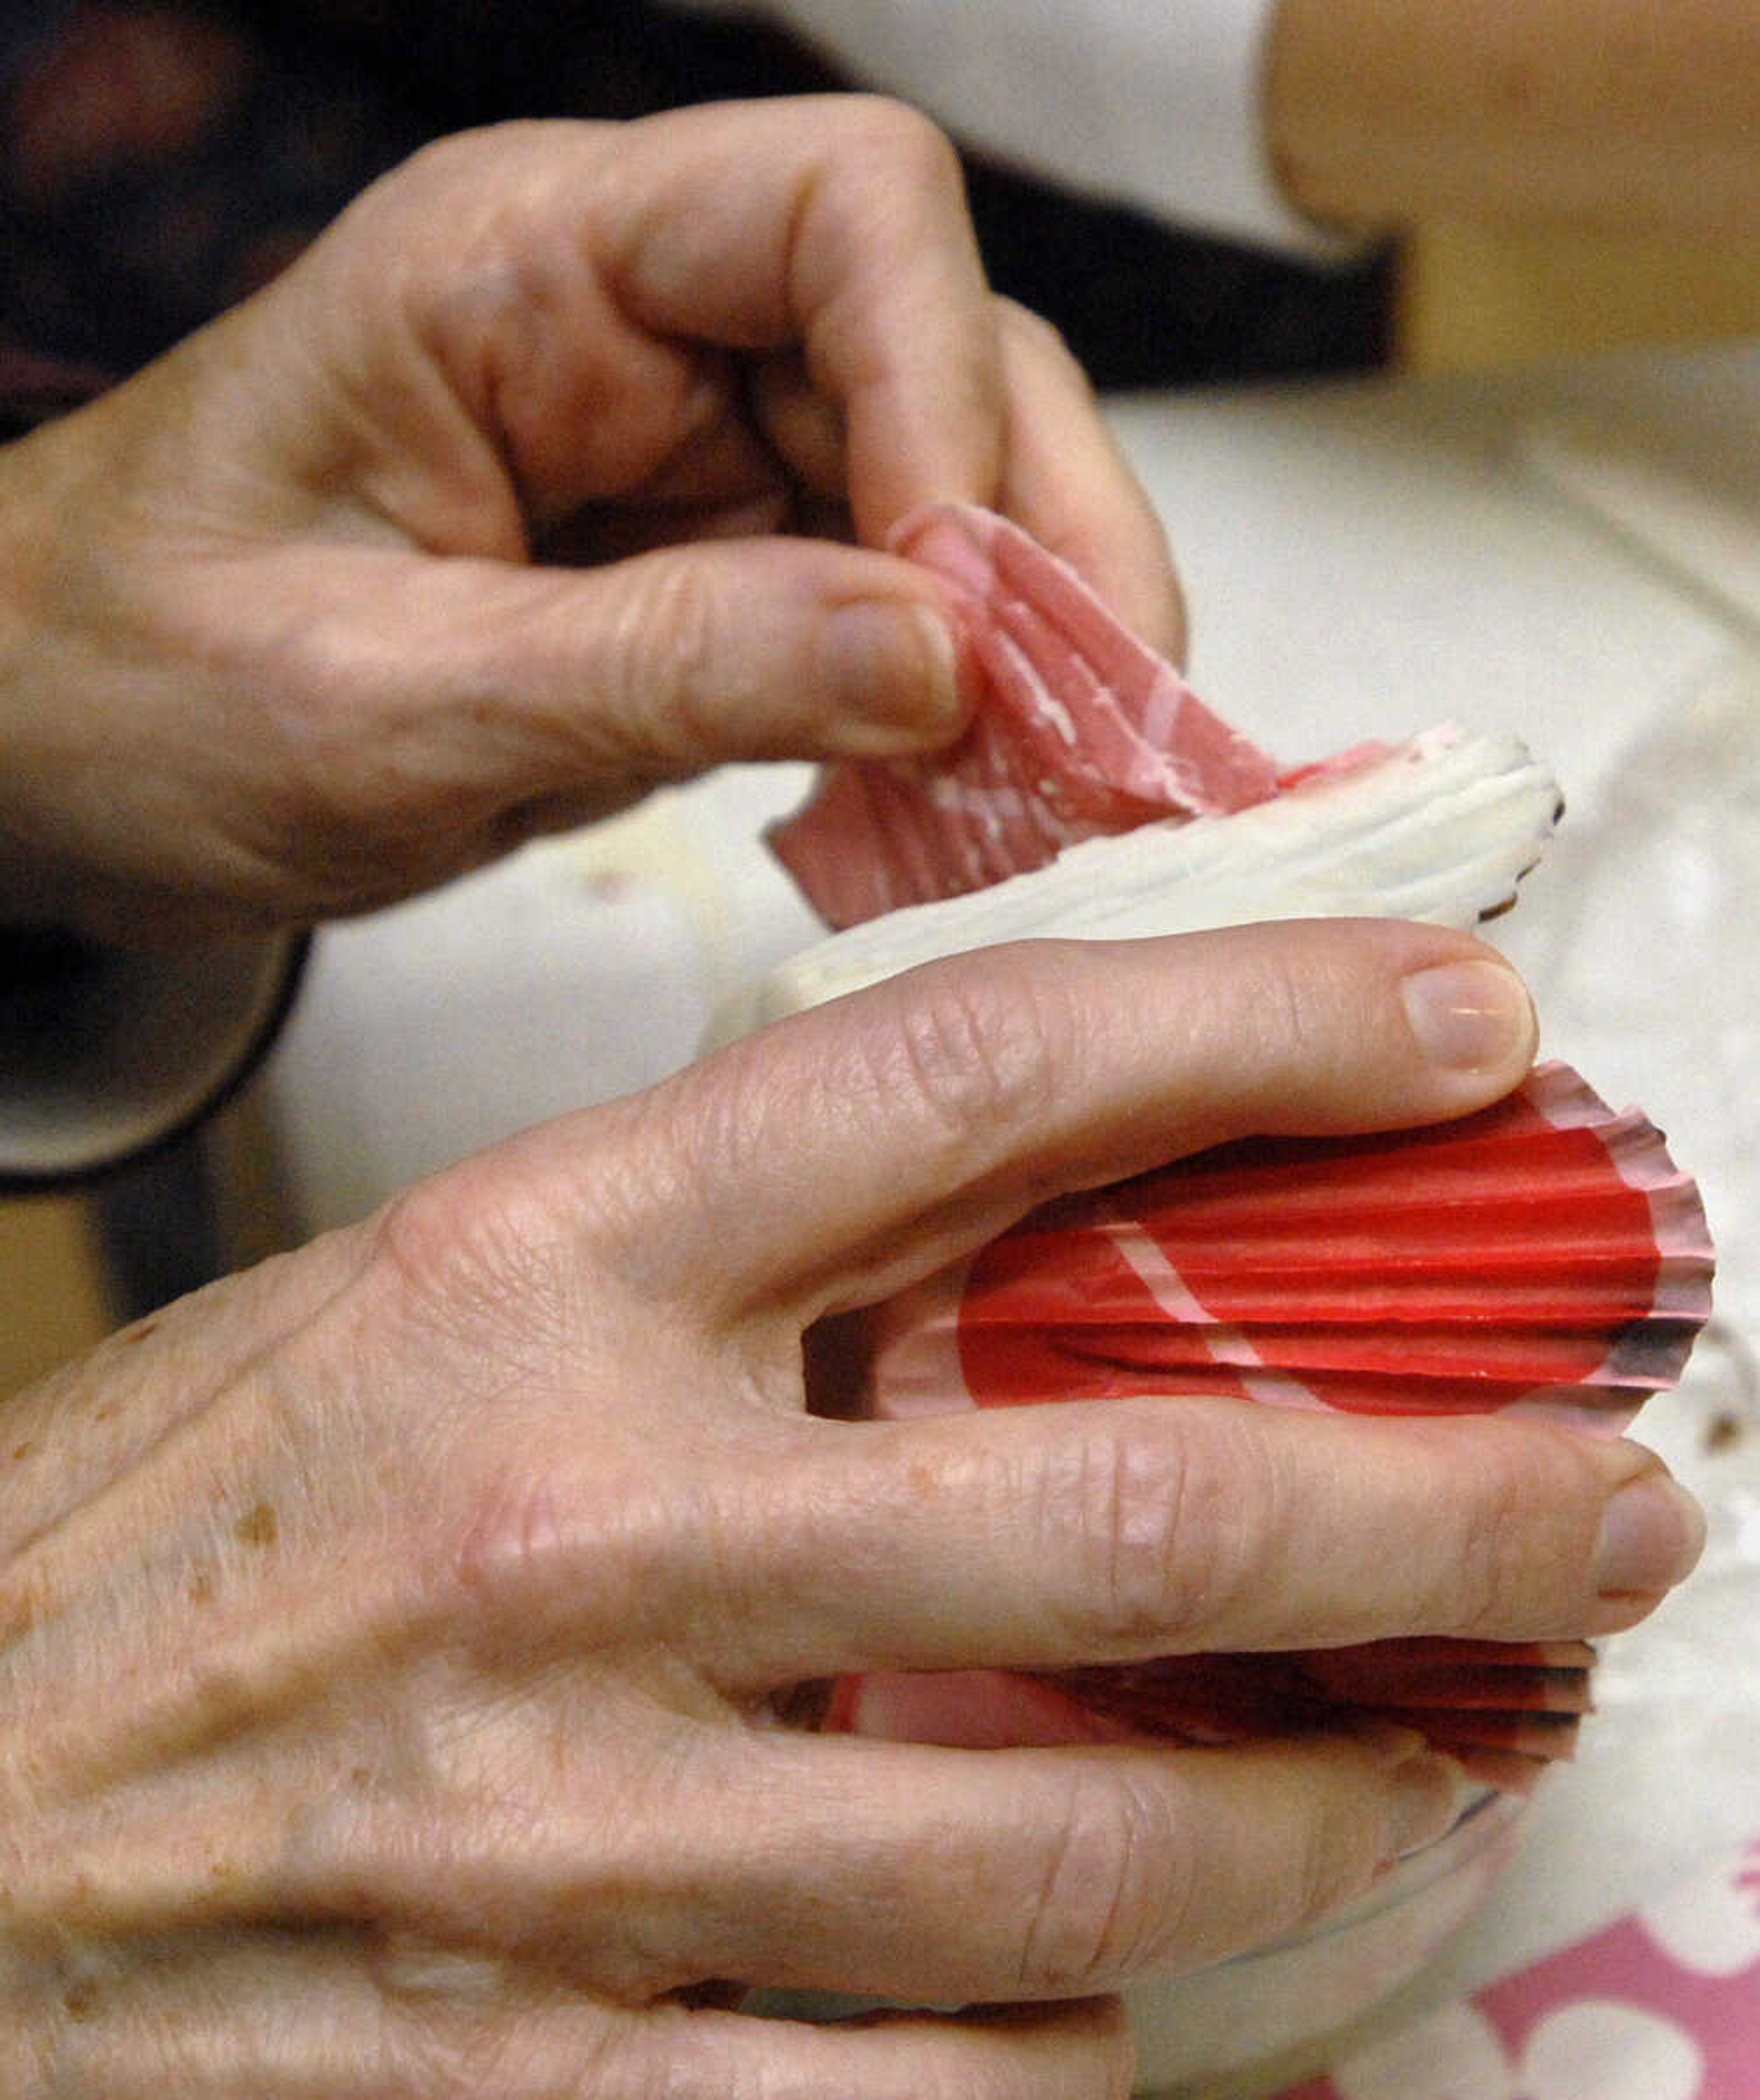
298,659
400,1644
398,1638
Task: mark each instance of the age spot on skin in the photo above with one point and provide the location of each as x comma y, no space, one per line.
17,1617
257,1526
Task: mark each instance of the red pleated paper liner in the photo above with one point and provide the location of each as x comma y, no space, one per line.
1081,732
1544,1257
1506,1710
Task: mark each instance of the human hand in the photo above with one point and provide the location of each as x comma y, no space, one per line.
297,620
397,1642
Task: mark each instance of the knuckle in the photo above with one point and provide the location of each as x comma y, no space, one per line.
668,667
1497,1563
1327,1860
522,1543
476,1253
1165,1520
512,1542
911,143
981,1048
1285,997
1040,336
1112,1879
464,2055
614,1562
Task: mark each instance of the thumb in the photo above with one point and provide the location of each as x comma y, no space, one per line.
594,683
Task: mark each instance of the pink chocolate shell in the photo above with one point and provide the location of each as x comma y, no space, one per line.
1081,732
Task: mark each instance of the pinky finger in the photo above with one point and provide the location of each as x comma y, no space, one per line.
273,2017
1078,2050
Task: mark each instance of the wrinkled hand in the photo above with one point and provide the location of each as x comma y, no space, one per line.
398,1643
466,528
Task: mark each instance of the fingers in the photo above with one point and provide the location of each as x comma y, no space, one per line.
1005,1875
911,1871
538,341
282,2016
581,287
584,683
933,390
840,1863
553,270
1066,481
856,1147
1063,478
1105,1531
839,225
936,391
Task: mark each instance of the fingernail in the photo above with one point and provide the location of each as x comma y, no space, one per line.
1471,1016
1428,1790
1430,1793
1653,1532
893,670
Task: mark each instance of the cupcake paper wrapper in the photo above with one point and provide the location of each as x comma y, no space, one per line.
1082,732
1543,1258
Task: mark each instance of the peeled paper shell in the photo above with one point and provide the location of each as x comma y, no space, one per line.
1082,732
1543,1257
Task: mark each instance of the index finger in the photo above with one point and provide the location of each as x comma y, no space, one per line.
839,224
843,1153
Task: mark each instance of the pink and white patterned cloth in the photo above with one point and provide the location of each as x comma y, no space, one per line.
1665,2005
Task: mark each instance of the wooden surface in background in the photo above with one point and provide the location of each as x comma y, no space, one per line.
51,1306
1472,296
